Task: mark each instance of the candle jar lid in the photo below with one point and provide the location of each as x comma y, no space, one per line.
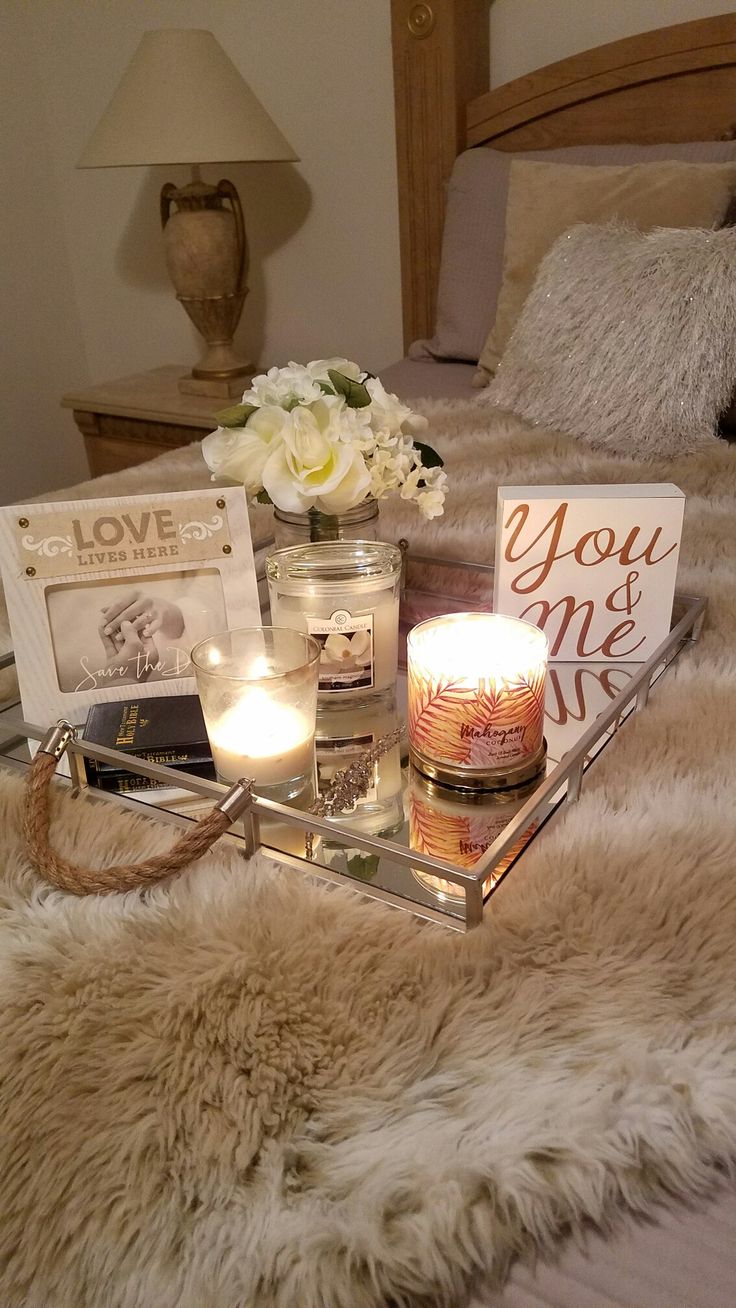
329,564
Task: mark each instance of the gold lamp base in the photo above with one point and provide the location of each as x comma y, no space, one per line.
207,256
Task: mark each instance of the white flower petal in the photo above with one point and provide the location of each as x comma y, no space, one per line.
352,487
278,480
320,369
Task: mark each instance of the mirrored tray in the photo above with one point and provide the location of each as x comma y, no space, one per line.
420,847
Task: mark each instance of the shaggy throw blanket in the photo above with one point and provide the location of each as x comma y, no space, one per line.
246,1090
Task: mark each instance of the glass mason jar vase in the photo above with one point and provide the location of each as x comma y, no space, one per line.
360,523
345,594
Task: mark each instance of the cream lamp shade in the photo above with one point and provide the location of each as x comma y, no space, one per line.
181,100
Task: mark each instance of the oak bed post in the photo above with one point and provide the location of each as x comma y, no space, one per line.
441,61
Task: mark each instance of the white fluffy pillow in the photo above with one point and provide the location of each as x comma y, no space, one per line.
627,339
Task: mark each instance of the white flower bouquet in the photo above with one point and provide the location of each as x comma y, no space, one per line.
324,438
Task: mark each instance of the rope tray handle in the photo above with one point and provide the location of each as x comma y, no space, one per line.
125,876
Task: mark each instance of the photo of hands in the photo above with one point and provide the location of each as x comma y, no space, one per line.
133,630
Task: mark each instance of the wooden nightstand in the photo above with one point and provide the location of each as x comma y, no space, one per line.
135,418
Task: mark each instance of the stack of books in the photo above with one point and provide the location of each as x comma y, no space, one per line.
168,730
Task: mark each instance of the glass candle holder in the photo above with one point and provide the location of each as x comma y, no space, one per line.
345,594
476,685
258,689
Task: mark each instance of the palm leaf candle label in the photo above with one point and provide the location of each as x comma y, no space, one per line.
476,684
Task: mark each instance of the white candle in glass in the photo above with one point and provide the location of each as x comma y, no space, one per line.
263,739
258,689
346,595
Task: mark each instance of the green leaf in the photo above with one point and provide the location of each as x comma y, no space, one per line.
263,497
355,393
236,416
325,388
430,457
363,866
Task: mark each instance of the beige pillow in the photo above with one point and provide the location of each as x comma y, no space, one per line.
546,198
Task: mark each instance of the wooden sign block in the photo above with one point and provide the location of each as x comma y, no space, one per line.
593,566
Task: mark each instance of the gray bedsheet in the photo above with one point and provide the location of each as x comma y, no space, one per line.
411,379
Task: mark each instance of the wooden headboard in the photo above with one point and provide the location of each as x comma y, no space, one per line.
675,84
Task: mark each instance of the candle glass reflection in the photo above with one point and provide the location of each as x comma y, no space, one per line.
476,685
343,736
460,826
258,689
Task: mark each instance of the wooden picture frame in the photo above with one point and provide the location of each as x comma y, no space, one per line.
106,597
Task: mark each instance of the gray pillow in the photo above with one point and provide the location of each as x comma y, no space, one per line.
473,240
627,339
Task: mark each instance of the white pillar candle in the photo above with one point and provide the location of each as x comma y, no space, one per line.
263,739
476,684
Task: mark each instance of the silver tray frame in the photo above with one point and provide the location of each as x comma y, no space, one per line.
562,784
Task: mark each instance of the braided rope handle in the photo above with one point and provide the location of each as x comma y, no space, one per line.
125,876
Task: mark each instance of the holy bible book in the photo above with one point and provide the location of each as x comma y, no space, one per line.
169,730
593,566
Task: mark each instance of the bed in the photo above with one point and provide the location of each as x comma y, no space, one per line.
675,85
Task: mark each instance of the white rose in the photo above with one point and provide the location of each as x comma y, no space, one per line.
351,489
313,467
319,369
241,453
388,415
283,386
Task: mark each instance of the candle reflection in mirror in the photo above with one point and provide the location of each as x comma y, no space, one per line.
342,737
459,827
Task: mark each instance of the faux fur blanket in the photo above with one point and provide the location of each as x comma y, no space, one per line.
244,1090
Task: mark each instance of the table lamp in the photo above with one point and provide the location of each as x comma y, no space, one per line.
182,100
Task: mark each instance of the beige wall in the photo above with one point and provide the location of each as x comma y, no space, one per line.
85,293
322,232
527,34
42,343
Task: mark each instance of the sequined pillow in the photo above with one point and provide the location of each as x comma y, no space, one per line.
627,339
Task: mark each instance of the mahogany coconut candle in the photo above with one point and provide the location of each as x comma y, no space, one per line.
476,684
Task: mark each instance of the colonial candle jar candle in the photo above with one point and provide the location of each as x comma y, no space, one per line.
345,594
258,689
476,684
